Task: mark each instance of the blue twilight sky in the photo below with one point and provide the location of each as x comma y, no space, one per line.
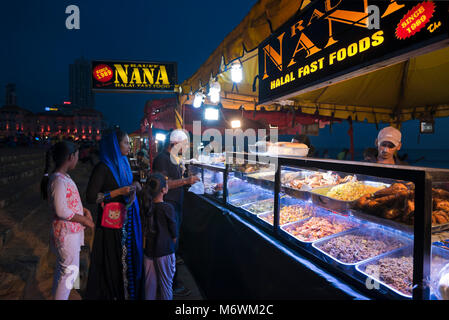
36,50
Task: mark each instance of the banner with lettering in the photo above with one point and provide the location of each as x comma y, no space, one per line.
125,76
331,38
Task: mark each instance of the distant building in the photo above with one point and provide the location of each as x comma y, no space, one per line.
14,119
80,84
58,121
79,124
10,99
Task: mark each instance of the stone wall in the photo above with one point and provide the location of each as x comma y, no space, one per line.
26,263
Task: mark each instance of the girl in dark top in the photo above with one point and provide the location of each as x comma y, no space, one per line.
116,265
160,234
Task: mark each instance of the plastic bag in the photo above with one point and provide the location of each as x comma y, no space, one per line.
197,188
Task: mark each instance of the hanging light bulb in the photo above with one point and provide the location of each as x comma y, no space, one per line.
198,101
214,91
236,72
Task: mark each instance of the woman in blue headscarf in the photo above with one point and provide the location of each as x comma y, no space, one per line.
116,264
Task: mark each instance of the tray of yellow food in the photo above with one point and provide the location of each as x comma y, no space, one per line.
343,196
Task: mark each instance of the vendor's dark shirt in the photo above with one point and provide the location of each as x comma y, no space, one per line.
397,161
165,225
163,164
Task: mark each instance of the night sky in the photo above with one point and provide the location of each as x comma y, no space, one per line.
37,50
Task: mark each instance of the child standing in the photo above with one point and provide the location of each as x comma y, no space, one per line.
160,237
69,217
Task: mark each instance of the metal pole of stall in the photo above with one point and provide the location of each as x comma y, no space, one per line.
277,185
422,237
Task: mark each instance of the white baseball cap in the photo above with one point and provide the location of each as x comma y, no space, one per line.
389,134
178,135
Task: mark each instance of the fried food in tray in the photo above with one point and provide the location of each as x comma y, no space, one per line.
318,179
351,191
397,203
318,227
291,213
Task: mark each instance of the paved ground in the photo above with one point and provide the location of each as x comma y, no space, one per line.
26,264
186,277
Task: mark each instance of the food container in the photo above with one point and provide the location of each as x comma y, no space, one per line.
248,198
402,252
350,223
378,232
266,179
288,201
319,197
296,193
269,175
440,227
302,193
394,224
264,207
440,257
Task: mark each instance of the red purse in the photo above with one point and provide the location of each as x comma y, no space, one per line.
113,215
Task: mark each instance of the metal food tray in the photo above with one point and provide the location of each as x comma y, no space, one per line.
261,179
246,206
299,194
335,204
379,231
406,252
261,175
286,201
323,214
253,197
440,227
401,252
263,183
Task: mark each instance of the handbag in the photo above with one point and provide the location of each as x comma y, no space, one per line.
113,215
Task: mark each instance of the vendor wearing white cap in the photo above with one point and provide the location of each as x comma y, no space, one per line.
388,142
168,162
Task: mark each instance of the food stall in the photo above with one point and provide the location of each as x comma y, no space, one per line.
359,230
291,227
135,141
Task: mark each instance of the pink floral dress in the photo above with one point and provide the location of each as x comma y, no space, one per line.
65,202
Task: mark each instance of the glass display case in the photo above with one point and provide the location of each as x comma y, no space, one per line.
370,224
212,177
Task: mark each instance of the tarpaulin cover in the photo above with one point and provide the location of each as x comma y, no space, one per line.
230,259
252,30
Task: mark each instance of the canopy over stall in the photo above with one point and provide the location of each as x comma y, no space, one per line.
160,114
374,86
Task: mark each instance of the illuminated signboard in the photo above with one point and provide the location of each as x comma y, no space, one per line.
130,76
332,39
